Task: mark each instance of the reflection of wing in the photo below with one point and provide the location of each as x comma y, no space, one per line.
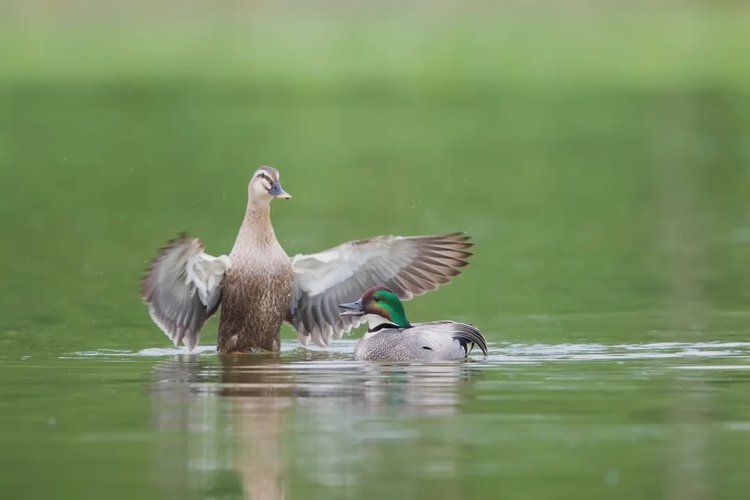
183,288
407,265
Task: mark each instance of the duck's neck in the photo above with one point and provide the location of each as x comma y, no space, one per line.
398,316
391,310
376,322
256,230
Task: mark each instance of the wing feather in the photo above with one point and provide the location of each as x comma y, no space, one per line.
182,288
407,265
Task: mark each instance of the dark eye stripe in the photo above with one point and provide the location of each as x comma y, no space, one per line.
266,177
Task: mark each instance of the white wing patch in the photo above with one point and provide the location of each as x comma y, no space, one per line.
182,289
205,273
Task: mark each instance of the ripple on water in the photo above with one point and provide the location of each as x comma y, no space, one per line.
498,354
536,353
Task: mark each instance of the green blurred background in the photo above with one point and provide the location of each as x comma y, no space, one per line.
598,152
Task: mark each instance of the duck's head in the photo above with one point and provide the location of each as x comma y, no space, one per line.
378,304
265,186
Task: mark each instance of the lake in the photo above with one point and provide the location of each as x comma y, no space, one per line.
605,184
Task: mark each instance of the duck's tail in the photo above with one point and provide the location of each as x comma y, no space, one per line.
469,336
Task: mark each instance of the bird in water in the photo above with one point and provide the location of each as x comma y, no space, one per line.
390,336
258,287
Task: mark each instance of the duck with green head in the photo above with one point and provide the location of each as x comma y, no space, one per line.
391,337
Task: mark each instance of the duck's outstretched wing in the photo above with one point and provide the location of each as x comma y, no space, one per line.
182,288
407,265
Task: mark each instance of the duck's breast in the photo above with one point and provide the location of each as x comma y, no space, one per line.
380,346
257,295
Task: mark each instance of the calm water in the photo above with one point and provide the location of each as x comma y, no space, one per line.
660,420
612,221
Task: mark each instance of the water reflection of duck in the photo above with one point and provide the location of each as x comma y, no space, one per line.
256,426
391,337
185,286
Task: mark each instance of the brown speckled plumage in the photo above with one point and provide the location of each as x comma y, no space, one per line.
258,290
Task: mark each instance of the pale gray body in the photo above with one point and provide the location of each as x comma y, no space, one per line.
435,341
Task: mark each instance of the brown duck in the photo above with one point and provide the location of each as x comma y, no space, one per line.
258,286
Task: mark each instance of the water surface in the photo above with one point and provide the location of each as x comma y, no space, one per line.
620,420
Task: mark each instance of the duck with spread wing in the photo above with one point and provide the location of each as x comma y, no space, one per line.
258,287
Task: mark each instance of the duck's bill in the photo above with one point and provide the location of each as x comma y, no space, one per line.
278,192
352,309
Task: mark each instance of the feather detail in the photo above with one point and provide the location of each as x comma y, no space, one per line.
182,288
409,266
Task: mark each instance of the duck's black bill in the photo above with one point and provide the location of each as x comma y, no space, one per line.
352,309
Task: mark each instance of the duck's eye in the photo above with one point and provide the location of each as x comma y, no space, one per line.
377,299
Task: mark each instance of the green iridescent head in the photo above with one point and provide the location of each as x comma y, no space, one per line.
380,301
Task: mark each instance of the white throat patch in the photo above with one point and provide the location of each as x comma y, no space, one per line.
373,321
